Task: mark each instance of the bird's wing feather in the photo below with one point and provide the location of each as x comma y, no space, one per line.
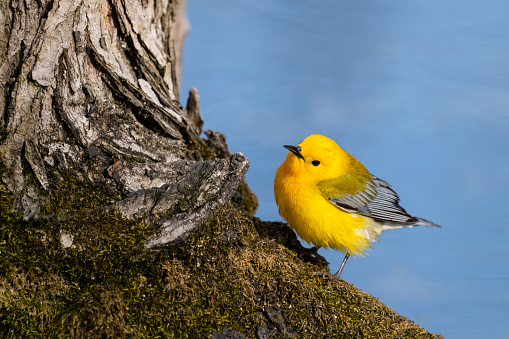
373,198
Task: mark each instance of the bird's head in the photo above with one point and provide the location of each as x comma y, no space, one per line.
317,158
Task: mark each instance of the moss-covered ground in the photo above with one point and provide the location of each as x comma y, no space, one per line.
235,272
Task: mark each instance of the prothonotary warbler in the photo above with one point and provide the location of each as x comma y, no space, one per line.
331,200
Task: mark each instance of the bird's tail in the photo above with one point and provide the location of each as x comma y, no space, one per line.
414,221
424,222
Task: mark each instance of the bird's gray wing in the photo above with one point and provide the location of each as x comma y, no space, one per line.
377,201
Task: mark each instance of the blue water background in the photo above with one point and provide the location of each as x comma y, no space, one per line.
418,91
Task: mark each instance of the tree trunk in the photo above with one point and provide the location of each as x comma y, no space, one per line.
89,89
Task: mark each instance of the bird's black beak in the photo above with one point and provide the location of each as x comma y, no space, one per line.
295,150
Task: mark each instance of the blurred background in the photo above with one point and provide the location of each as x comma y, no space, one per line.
418,91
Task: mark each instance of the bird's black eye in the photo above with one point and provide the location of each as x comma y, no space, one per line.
315,162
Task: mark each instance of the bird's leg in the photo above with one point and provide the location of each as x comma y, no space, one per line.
338,273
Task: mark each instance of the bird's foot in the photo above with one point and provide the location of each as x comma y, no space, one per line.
322,274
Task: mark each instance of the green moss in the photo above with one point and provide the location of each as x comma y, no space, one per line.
198,150
67,195
226,275
244,199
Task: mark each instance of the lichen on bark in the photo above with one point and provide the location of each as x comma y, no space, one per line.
90,88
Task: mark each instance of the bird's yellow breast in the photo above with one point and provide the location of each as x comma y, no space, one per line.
315,219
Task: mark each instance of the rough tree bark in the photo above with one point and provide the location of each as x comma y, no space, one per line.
90,89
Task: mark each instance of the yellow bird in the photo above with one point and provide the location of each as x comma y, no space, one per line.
331,200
